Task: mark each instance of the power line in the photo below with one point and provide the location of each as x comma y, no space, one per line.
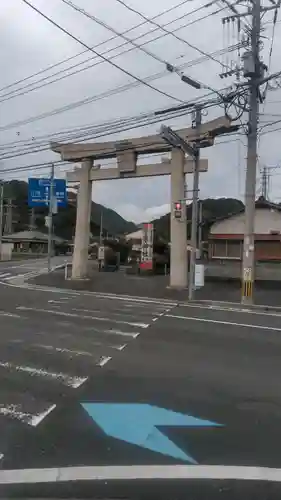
85,130
66,132
103,95
128,73
63,61
122,126
113,30
275,16
30,87
170,33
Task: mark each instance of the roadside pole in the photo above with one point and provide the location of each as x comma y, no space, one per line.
248,277
200,228
1,215
50,218
195,197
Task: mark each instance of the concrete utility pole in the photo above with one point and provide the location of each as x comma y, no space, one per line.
265,182
195,197
9,217
254,71
101,227
1,215
50,218
32,225
200,230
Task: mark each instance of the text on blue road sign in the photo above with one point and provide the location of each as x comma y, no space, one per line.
39,192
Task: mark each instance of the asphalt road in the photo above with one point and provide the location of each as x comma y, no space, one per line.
26,269
88,380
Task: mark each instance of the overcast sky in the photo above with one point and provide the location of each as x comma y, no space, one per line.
30,44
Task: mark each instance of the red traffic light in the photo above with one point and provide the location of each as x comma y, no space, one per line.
178,205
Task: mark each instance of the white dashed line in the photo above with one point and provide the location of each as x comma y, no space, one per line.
15,411
81,316
67,380
103,360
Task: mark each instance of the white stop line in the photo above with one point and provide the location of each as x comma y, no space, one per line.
139,472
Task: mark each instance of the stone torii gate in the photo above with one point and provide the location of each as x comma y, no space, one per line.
127,153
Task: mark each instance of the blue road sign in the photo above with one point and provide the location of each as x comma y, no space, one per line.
136,423
39,192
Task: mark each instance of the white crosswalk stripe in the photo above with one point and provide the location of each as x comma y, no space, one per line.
4,275
55,348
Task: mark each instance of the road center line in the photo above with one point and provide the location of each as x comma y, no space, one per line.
205,320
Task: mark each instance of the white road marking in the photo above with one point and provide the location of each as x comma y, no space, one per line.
67,380
139,472
131,298
82,316
14,411
78,353
231,323
4,274
163,313
123,334
233,309
103,360
111,312
56,302
14,277
11,315
73,293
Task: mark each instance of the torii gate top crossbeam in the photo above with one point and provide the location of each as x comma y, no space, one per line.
140,145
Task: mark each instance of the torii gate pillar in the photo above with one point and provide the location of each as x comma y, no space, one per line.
83,216
178,229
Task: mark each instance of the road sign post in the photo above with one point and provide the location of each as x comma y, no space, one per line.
48,192
50,228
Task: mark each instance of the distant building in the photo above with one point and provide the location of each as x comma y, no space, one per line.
31,241
135,239
227,235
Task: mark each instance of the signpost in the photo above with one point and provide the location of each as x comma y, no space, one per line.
51,193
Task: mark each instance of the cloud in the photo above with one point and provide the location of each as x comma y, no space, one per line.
30,44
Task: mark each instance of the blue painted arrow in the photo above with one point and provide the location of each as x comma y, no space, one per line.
136,423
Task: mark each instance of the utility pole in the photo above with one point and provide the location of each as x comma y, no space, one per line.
195,197
32,220
9,217
265,182
1,215
254,72
101,227
200,230
50,218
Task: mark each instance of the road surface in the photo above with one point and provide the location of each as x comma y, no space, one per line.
26,269
91,381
